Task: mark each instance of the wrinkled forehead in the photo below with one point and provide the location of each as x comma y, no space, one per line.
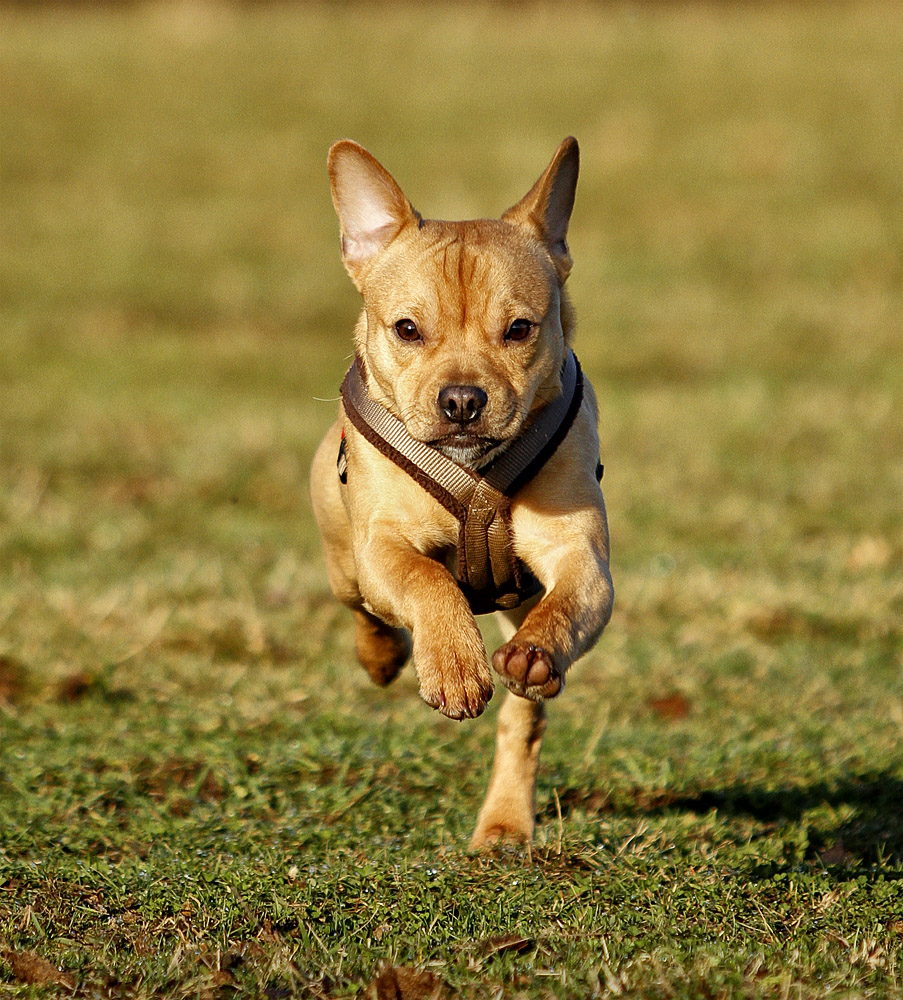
455,271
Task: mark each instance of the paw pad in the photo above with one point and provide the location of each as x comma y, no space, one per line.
527,670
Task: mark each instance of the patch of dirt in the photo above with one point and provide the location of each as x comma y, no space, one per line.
159,779
776,625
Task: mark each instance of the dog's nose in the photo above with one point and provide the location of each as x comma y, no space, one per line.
462,403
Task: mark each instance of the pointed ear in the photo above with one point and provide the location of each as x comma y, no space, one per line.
371,207
546,208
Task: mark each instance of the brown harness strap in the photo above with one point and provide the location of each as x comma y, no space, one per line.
488,572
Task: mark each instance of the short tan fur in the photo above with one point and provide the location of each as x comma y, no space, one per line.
464,315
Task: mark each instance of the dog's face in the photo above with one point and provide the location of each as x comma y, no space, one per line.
463,327
465,324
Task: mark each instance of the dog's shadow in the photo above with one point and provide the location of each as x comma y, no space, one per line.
871,835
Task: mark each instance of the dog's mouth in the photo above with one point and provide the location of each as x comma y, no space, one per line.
467,449
471,448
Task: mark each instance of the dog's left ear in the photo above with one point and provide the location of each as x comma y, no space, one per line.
546,208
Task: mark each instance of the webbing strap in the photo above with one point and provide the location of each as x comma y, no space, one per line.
489,573
527,454
454,484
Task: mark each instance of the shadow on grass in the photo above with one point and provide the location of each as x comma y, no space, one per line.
872,836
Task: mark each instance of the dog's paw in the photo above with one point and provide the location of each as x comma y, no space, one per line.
457,684
458,694
490,837
527,670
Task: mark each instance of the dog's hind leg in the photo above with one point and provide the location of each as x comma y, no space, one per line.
382,650
508,811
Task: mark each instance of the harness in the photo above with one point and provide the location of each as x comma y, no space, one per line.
488,572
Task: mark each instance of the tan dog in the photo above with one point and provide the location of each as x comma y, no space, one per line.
462,347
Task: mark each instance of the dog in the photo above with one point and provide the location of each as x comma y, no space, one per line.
462,475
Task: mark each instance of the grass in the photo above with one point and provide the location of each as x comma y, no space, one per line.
200,793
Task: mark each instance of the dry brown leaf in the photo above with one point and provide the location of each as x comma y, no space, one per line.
505,942
34,970
836,854
403,983
671,706
12,678
74,687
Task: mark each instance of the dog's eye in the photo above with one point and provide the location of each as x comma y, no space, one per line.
519,330
407,330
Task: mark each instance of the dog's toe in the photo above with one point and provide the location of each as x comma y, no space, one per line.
513,663
539,672
458,697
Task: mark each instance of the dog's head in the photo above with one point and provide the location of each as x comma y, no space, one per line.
465,324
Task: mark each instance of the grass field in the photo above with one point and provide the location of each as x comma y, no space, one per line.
200,793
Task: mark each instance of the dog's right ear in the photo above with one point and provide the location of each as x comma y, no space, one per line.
371,207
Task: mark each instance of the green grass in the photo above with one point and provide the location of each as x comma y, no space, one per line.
200,793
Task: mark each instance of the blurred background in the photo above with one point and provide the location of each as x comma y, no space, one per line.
175,320
174,325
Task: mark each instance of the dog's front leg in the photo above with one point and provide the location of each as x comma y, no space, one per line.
570,617
405,588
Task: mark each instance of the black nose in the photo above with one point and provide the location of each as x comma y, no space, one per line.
462,403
